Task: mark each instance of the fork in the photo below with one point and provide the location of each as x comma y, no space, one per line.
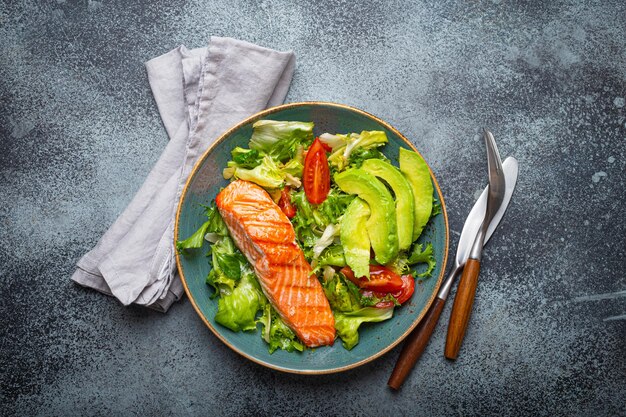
464,299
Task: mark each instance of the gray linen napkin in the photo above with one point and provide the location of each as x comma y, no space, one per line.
200,93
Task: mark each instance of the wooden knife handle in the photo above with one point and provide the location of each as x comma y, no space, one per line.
415,344
462,308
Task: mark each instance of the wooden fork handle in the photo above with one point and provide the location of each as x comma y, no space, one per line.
415,344
462,308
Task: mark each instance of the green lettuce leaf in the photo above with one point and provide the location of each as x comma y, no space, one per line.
348,323
194,241
268,174
336,141
436,208
311,220
333,207
321,215
220,283
293,167
280,139
245,158
367,298
418,255
237,310
227,264
214,225
340,296
230,264
425,255
328,236
359,155
250,164
276,333
332,255
344,145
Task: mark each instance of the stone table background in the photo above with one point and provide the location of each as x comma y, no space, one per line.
80,131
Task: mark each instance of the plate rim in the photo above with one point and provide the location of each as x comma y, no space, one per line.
375,355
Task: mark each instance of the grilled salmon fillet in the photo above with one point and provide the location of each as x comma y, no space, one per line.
266,237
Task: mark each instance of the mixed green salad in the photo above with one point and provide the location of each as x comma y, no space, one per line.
357,218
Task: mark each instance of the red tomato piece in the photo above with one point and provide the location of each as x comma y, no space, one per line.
285,203
347,272
408,288
381,280
326,147
316,174
402,295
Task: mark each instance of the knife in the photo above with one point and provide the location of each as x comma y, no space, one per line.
466,291
417,341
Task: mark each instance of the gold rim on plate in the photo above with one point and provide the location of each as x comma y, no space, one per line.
259,115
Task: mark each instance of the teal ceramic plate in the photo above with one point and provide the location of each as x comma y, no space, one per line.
205,182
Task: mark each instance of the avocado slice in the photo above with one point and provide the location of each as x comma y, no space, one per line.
416,171
381,225
354,238
405,202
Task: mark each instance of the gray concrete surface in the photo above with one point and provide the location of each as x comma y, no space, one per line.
79,132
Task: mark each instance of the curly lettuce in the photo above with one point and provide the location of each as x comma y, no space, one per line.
344,145
321,215
245,158
332,256
227,263
279,139
311,221
276,333
328,236
339,294
418,255
348,323
214,226
436,208
360,155
267,174
423,255
194,241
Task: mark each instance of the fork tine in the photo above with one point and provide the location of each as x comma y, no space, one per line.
493,155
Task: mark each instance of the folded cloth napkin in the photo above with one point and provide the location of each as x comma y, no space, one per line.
200,93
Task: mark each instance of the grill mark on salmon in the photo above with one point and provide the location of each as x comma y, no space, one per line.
266,237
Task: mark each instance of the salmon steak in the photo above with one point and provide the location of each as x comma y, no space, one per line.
266,237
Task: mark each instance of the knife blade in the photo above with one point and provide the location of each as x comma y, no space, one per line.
474,220
417,341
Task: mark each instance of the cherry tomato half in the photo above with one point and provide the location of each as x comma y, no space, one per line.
285,203
382,280
316,174
326,147
408,288
401,296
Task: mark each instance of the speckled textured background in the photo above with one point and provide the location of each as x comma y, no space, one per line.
79,132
